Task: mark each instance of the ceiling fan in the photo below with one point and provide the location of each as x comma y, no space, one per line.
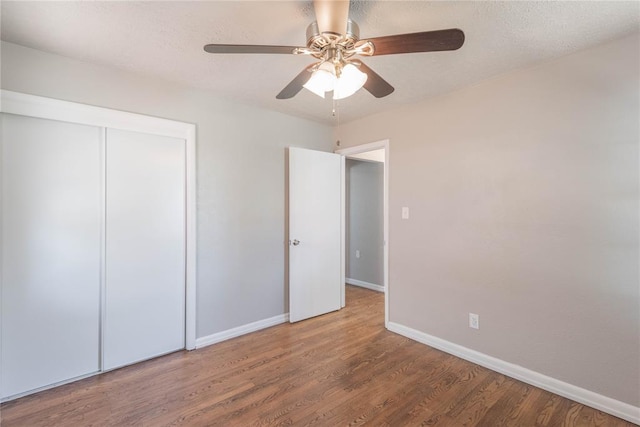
333,39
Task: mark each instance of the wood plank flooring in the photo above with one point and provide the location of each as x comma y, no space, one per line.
339,369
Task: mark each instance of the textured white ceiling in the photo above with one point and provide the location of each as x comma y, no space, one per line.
166,39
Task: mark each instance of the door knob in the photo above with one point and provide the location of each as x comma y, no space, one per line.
296,242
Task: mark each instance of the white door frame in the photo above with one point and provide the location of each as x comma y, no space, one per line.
71,112
358,149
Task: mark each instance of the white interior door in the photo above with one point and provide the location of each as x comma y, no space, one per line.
145,247
51,251
315,227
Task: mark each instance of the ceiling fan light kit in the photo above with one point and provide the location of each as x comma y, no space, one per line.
349,82
322,79
334,40
342,79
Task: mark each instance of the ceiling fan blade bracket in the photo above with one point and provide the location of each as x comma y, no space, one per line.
304,51
361,47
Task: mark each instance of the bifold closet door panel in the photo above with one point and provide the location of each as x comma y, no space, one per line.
51,247
145,247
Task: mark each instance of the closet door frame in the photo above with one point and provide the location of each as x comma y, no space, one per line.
72,112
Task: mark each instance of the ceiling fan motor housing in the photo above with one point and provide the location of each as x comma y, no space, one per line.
318,41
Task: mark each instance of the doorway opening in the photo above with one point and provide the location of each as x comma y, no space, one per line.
365,228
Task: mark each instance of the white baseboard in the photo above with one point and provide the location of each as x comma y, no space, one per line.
362,284
606,404
241,330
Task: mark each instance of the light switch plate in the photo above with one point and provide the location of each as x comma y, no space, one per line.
405,213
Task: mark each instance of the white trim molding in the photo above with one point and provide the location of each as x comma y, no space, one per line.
363,284
343,229
73,112
241,330
190,244
603,403
358,149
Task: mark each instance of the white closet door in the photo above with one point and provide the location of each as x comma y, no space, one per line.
145,247
51,225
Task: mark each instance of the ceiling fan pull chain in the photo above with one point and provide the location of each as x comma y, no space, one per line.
336,107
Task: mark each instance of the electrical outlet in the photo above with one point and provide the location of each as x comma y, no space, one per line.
405,213
474,321
357,253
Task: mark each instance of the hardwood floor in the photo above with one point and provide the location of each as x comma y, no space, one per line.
343,368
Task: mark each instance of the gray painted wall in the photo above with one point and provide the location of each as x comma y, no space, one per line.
364,182
241,182
524,198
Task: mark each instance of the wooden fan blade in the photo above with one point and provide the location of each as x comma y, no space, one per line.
426,41
376,85
296,84
248,48
332,16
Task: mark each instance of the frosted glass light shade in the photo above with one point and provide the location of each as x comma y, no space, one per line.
322,80
350,81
